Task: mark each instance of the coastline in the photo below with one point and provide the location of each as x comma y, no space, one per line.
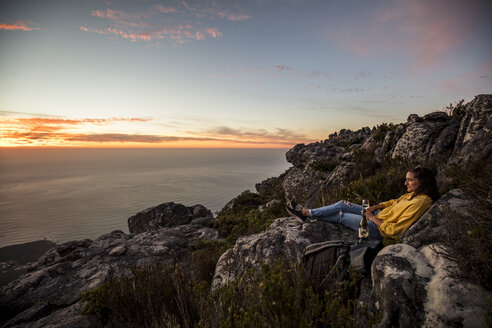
16,259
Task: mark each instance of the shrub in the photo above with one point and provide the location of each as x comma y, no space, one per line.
325,165
280,295
244,217
382,130
468,239
157,295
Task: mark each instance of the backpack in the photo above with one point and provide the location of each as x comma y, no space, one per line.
326,261
330,260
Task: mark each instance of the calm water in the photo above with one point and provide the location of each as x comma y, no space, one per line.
67,194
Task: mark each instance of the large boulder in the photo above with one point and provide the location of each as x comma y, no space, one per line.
412,284
420,137
284,237
57,279
474,139
167,215
305,185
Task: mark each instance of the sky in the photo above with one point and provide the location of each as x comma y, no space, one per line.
228,73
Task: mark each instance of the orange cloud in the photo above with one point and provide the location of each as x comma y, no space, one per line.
51,132
18,26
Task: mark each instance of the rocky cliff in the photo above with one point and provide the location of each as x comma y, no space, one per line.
410,281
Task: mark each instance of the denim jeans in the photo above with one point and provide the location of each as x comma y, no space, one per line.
347,214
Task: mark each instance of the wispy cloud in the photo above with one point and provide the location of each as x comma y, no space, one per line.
423,31
278,136
20,26
184,22
320,74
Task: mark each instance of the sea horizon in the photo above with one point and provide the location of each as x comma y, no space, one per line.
63,194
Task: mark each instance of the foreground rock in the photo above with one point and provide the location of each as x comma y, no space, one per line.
55,282
285,237
412,281
167,215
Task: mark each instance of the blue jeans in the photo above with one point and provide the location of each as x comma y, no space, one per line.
347,214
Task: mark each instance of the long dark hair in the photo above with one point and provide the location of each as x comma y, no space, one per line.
428,184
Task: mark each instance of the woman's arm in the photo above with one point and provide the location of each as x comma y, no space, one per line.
371,216
375,207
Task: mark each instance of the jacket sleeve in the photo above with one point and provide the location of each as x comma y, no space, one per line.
412,213
391,201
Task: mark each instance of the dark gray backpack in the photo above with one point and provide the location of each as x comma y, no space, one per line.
329,261
326,261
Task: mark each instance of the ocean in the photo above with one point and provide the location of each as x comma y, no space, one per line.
69,194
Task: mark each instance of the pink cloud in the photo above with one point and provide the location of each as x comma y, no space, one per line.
199,35
213,32
18,26
423,31
232,16
165,10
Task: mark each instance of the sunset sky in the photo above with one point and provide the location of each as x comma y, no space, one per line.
225,73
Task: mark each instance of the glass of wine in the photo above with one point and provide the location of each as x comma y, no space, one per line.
365,203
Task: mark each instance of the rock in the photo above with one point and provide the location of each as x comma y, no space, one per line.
431,227
63,273
284,237
305,185
166,215
16,260
414,289
414,118
418,139
473,141
69,317
342,174
412,281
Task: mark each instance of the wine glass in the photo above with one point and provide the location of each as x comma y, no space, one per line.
365,203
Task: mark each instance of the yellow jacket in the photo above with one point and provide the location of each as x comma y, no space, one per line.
399,214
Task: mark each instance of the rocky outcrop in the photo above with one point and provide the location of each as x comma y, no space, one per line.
55,282
285,237
420,137
412,284
475,133
457,139
167,215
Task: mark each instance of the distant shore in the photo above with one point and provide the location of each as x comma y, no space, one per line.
16,259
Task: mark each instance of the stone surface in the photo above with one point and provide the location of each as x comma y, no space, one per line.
166,215
431,227
285,237
473,141
413,289
56,281
418,139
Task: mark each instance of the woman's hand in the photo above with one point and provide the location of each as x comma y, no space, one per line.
375,207
373,218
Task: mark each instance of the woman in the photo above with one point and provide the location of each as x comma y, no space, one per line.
387,219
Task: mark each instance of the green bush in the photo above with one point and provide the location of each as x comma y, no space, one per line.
325,165
280,295
382,130
468,239
244,217
158,295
